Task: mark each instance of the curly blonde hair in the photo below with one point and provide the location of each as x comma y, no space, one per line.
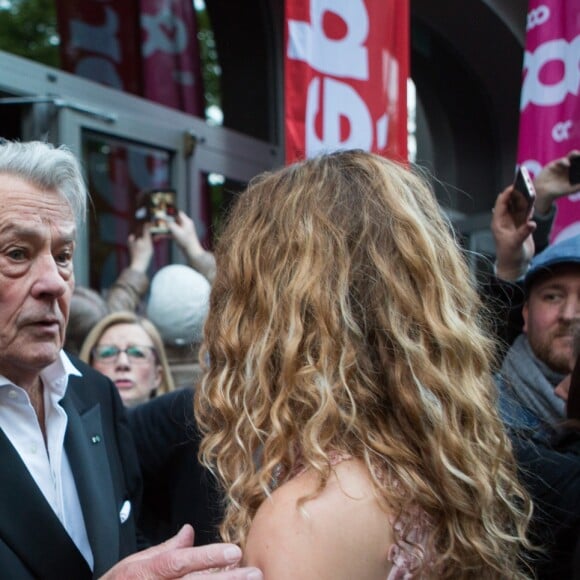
343,318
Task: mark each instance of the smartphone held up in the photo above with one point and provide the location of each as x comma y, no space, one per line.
521,203
157,207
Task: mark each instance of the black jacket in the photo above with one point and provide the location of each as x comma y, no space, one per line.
33,542
551,473
177,488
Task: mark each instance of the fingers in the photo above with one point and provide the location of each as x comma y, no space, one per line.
217,556
183,216
177,559
504,219
183,539
143,234
174,225
502,201
505,193
146,231
500,217
180,562
235,574
528,228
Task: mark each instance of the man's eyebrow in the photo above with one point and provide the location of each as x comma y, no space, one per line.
70,237
551,286
66,235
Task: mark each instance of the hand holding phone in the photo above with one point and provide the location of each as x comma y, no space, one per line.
157,206
521,203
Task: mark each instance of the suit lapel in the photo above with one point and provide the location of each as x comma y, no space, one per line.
87,452
29,526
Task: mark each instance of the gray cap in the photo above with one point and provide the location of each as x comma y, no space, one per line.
566,251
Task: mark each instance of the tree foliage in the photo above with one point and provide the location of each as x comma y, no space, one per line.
210,67
28,28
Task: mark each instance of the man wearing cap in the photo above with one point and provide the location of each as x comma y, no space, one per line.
533,385
534,372
535,368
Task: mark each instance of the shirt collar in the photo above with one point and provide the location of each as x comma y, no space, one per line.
54,376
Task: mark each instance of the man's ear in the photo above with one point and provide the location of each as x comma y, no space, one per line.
525,312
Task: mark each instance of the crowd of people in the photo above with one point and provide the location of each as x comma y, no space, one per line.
540,292
329,394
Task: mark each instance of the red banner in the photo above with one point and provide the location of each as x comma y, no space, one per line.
171,65
346,70
146,47
550,99
100,41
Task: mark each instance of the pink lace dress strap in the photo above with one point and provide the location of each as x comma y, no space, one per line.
408,554
335,457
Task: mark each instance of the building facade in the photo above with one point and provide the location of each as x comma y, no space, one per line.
466,62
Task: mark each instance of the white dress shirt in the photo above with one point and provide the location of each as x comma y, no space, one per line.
48,464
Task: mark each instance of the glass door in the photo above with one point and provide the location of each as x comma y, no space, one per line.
119,163
117,171
127,144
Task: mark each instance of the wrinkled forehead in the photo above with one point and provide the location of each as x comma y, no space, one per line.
30,198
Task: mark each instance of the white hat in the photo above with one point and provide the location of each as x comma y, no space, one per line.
178,304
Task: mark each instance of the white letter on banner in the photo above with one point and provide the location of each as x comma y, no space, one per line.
99,39
346,57
538,16
533,90
383,131
561,131
165,32
100,70
339,100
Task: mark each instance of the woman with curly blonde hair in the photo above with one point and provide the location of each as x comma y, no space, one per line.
348,406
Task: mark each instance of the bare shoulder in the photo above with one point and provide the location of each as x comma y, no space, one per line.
341,533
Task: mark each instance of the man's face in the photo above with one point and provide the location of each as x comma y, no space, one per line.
37,231
551,315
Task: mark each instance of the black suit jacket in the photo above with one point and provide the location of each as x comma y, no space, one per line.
177,488
33,542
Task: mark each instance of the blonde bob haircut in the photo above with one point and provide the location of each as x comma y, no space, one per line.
343,318
129,317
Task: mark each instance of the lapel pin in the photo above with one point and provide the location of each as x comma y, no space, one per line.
95,439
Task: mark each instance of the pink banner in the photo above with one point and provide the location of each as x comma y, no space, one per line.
550,99
346,69
171,69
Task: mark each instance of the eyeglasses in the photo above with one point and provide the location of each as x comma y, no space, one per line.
109,353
